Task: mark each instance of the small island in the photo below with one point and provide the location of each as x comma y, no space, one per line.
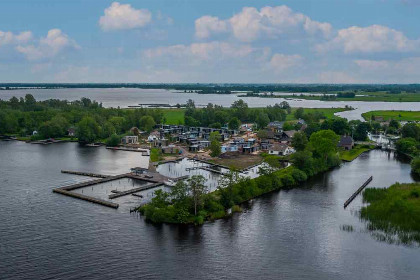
395,211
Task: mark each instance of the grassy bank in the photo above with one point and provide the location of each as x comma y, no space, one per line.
395,210
393,115
355,152
362,96
155,155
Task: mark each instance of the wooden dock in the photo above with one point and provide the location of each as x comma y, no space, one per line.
155,179
87,174
132,191
87,198
353,196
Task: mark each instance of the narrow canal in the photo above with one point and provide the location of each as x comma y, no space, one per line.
291,234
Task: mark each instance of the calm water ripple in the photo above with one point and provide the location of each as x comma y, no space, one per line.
291,234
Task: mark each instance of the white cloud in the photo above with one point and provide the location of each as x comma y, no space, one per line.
371,39
206,25
123,16
202,51
251,24
337,77
8,38
281,62
55,42
372,64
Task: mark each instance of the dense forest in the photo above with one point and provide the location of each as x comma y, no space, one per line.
52,118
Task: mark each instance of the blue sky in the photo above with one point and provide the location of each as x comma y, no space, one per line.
296,41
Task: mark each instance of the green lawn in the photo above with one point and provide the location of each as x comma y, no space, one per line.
395,115
328,112
355,152
174,116
155,155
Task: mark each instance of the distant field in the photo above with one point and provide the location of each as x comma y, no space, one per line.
176,116
395,115
366,96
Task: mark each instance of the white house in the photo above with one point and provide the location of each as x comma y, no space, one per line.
130,140
154,135
280,149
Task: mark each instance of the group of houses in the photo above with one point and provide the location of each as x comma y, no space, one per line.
275,140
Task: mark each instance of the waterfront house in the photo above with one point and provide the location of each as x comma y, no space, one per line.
71,132
154,135
280,149
126,140
346,142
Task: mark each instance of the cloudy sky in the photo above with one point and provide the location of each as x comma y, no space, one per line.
247,41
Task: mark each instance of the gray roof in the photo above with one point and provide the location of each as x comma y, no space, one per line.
345,140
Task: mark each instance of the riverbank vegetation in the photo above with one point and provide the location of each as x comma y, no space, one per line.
186,205
378,96
350,155
90,122
395,211
392,115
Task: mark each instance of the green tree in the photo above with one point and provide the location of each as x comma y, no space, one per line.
411,130
240,109
299,113
361,131
324,143
299,141
415,166
215,146
407,146
226,188
197,189
88,130
395,124
340,126
234,123
287,126
147,123
118,123
113,141
262,120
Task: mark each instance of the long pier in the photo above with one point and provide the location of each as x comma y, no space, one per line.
87,174
87,198
132,191
353,196
154,178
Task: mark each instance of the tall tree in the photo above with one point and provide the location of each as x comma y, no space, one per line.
197,189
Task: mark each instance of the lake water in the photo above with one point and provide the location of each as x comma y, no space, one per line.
124,97
292,234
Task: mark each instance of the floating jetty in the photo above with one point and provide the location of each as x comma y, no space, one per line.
353,196
153,178
132,191
87,174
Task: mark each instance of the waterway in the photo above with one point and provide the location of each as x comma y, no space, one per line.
124,97
294,234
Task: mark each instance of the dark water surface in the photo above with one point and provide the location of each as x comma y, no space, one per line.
291,234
